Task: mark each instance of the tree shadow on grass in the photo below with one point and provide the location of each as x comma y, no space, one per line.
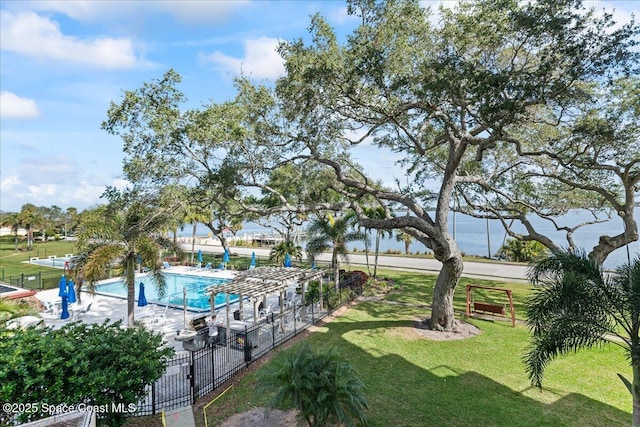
402,393
416,289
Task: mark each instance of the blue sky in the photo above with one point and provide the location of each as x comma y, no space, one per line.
62,62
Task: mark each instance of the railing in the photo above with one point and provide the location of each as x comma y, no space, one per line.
191,375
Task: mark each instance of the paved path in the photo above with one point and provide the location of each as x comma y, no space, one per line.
483,270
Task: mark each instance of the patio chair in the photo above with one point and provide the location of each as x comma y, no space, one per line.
81,310
51,310
266,312
159,317
147,312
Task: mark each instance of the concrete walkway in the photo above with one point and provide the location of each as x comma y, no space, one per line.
181,417
483,270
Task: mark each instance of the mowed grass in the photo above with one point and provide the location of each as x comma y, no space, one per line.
14,263
414,381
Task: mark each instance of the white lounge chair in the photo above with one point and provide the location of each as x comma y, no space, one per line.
159,317
146,312
81,310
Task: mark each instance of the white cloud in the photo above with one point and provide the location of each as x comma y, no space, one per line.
9,182
88,11
38,37
14,106
261,59
120,184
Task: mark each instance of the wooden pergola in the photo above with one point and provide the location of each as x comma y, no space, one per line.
260,282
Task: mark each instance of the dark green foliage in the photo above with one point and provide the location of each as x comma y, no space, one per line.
522,251
280,251
319,384
80,363
331,297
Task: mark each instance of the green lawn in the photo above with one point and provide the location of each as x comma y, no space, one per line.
412,381
13,265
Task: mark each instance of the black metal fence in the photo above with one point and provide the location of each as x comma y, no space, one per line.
191,375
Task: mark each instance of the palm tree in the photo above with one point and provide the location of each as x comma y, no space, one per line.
119,235
377,213
279,252
578,305
322,386
29,216
329,233
12,220
193,215
401,236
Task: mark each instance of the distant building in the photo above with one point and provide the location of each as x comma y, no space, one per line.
6,231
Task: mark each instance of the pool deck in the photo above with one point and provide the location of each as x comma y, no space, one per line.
115,308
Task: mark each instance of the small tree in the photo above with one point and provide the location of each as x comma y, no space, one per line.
578,305
282,249
323,387
12,220
407,239
522,250
332,233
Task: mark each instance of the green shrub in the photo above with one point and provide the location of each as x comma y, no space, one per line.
522,251
79,363
321,385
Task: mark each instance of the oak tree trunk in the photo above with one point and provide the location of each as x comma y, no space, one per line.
442,316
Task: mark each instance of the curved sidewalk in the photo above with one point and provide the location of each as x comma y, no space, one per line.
482,270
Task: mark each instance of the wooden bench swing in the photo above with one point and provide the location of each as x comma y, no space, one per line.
486,307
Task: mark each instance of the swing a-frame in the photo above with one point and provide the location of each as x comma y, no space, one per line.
486,307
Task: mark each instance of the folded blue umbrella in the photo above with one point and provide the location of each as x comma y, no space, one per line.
225,256
65,308
63,287
200,256
142,299
253,259
71,292
287,261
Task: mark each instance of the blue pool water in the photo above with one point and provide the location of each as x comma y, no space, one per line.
57,262
197,299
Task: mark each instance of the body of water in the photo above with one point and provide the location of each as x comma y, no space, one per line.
484,238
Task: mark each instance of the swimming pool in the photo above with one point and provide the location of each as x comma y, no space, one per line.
52,261
197,299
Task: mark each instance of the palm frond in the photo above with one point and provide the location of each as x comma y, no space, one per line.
575,305
100,259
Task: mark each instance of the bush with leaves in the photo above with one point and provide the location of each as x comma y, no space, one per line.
101,364
522,251
318,383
